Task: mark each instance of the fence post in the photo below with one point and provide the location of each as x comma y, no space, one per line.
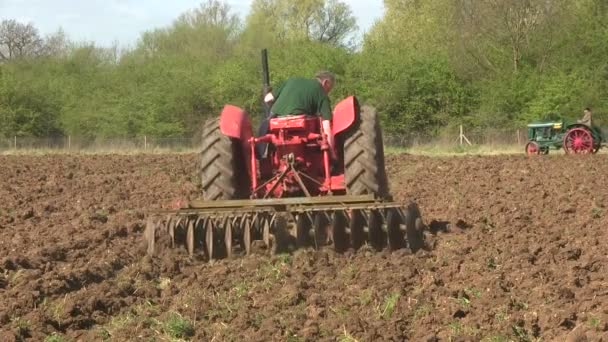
15,142
145,142
69,142
518,137
463,137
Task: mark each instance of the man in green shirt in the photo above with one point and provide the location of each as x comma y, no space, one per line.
298,96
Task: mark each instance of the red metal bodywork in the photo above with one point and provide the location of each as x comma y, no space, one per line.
235,123
345,114
298,162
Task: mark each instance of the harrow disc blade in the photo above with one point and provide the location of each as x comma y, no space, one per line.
396,239
266,231
414,227
303,226
209,238
281,235
190,238
247,236
320,226
171,226
228,238
150,236
375,232
339,235
357,230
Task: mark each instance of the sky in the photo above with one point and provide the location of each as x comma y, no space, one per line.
107,21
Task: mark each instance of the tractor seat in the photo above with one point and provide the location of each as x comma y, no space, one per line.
295,122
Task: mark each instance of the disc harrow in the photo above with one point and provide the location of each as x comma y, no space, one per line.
221,229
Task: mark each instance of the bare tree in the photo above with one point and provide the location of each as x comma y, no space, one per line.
55,44
19,40
492,31
328,21
333,23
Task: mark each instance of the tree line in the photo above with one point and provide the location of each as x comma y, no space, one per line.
425,65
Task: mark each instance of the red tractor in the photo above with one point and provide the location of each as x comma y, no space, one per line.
296,195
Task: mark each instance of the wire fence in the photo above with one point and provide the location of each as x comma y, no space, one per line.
453,138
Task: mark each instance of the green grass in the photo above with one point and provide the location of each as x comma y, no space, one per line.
95,151
430,149
594,322
177,326
388,307
496,338
455,150
54,337
365,297
346,337
422,311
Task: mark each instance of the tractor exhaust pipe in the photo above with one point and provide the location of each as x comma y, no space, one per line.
266,82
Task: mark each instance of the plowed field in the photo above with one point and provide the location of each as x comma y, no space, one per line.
519,252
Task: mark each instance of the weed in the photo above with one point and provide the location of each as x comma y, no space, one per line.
283,259
496,338
455,329
177,326
472,292
14,276
56,309
491,263
341,312
463,301
365,297
54,338
594,322
258,318
241,289
521,333
293,338
346,337
120,321
422,311
163,283
271,272
501,315
389,305
596,212
518,305
104,333
22,325
349,272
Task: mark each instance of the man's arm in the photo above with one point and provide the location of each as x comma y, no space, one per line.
274,94
325,111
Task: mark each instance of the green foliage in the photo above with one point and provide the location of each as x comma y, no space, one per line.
178,327
427,66
388,307
54,337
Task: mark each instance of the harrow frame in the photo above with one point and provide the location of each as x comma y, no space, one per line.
354,220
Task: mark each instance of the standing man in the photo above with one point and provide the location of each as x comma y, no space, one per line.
298,96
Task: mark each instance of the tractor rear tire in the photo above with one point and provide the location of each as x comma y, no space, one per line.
222,163
364,171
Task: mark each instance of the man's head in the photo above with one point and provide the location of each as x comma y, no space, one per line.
587,110
327,80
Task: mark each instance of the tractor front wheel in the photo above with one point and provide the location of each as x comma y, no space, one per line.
532,148
578,140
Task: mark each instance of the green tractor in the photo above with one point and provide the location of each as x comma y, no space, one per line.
574,138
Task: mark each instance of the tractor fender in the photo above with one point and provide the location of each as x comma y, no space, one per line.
345,114
235,123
